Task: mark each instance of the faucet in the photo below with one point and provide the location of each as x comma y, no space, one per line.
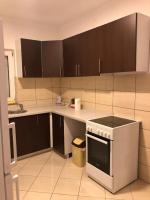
21,106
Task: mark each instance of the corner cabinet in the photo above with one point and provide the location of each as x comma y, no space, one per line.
32,133
39,58
52,58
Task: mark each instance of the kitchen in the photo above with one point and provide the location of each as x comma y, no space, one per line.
102,92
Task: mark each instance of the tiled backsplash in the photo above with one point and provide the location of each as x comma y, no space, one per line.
37,91
122,95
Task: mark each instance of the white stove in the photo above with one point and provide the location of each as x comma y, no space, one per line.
112,151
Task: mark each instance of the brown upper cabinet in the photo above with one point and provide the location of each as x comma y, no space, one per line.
52,58
31,58
39,59
71,56
119,46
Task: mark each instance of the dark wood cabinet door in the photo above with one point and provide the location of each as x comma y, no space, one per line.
88,53
32,134
43,132
31,58
52,58
58,133
118,45
70,55
26,130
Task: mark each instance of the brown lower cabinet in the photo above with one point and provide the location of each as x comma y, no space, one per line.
32,133
58,133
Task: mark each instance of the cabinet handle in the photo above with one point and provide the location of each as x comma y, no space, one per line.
60,121
60,71
99,66
37,119
15,179
13,128
24,67
78,70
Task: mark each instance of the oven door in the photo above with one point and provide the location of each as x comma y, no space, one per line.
98,152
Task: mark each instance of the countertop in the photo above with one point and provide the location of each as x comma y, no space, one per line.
82,115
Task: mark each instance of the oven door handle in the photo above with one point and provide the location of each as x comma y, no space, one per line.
97,139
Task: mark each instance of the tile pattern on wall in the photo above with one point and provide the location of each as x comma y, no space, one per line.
119,94
37,91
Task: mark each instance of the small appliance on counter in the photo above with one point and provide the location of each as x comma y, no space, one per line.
75,103
112,151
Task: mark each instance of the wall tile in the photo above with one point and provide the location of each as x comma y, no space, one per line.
44,102
143,82
24,83
103,108
145,138
76,83
124,99
55,92
55,82
104,97
43,83
142,101
65,82
88,96
88,83
104,82
144,172
25,95
43,93
87,105
143,117
144,156
123,112
124,83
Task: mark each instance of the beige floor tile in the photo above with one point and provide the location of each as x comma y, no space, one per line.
25,182
21,194
50,171
43,184
140,190
91,188
40,159
37,196
124,194
91,198
63,197
56,160
31,169
23,162
67,186
71,172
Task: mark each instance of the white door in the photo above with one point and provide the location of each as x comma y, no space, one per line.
5,158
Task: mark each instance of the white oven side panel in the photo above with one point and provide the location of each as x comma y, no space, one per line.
125,155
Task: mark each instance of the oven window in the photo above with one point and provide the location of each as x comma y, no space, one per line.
99,155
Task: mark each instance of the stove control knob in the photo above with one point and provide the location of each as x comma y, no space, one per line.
101,133
88,128
105,135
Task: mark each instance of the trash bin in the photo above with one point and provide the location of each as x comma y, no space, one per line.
78,151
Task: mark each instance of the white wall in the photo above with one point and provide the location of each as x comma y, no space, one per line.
109,11
15,29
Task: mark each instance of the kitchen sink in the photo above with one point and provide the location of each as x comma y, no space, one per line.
16,111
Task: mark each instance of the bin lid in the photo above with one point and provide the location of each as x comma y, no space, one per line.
79,142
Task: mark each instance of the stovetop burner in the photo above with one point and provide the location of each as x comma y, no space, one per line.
112,121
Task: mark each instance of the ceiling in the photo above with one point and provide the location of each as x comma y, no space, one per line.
47,11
